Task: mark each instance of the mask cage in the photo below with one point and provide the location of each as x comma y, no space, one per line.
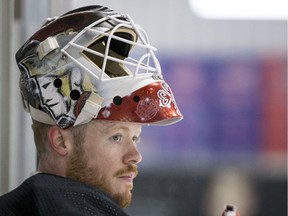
121,52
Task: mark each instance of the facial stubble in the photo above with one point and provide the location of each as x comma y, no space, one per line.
78,170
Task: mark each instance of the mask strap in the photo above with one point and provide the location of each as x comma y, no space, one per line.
90,110
47,46
41,116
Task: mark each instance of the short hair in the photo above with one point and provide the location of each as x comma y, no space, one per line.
40,136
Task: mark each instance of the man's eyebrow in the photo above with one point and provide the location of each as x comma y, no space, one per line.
121,127
114,126
110,126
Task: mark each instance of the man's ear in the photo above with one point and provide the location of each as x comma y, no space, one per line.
58,140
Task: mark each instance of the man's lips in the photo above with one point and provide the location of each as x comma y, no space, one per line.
128,177
127,174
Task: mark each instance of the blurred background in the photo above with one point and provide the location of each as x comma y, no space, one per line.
228,72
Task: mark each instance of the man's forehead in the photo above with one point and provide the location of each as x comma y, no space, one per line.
104,126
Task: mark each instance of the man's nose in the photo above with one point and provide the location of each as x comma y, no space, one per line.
132,156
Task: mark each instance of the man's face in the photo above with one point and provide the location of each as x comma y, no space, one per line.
108,158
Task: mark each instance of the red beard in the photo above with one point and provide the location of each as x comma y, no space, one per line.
78,170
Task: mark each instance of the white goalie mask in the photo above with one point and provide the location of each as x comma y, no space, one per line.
93,63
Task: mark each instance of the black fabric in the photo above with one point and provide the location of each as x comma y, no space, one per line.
50,195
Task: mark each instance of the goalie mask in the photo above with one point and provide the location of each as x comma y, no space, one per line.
93,63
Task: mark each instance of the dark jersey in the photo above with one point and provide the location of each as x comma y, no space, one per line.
50,195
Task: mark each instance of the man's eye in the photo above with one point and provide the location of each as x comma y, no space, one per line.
116,138
136,139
